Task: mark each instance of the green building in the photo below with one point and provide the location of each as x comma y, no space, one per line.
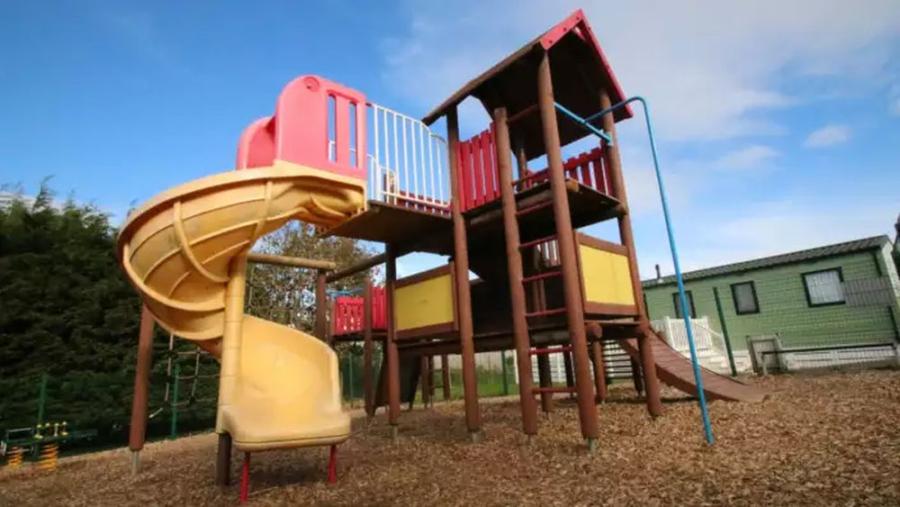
844,294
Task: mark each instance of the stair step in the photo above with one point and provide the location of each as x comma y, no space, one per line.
545,239
539,390
541,276
533,208
544,313
551,350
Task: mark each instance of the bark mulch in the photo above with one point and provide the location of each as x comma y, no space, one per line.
824,439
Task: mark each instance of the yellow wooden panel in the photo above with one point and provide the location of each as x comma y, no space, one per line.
606,277
424,303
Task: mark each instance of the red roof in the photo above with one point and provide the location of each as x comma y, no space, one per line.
580,70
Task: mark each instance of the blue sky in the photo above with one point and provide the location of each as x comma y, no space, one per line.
778,121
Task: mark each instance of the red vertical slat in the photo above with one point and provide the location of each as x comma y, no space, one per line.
491,165
477,171
461,174
470,176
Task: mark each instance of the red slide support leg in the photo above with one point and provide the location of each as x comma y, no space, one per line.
245,478
332,465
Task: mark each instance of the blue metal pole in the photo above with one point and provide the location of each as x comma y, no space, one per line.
584,123
682,297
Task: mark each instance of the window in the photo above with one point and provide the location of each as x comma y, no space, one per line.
744,295
824,287
677,301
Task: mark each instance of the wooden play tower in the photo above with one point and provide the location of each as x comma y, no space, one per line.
542,287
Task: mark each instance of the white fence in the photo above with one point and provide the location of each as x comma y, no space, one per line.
407,162
710,345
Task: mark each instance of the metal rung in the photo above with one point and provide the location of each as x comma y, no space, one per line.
539,390
533,208
542,313
529,244
541,276
551,350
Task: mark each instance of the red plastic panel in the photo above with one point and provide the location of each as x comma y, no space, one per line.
348,313
477,166
256,147
300,131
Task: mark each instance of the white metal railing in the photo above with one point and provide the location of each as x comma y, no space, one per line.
705,339
407,161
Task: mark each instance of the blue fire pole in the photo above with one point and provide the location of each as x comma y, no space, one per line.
682,297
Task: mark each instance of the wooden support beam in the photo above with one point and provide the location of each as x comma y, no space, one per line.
463,294
518,302
424,378
294,262
359,267
321,330
545,379
587,413
138,430
600,388
445,377
617,180
368,350
390,344
570,374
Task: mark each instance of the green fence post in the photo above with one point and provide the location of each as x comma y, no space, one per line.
725,332
176,372
42,399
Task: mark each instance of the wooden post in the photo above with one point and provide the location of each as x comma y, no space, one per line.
223,460
514,270
463,295
545,379
636,377
322,308
648,363
570,375
431,385
138,430
390,343
587,413
368,346
599,371
423,380
445,377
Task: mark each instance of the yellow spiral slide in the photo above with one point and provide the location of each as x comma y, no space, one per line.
185,252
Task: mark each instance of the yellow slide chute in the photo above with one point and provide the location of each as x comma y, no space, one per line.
185,251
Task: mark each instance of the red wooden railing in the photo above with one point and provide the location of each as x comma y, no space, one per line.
590,169
477,166
479,181
348,313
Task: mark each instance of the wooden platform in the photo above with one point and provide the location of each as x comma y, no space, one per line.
421,231
409,229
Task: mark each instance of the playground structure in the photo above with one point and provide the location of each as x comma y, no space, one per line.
543,287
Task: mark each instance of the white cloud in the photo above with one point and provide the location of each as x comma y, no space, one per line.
829,135
750,157
769,228
711,70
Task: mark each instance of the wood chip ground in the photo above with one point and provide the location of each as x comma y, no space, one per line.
831,439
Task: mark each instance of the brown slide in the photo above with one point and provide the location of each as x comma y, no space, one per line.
675,370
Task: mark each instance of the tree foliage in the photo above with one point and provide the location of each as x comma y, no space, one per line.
65,309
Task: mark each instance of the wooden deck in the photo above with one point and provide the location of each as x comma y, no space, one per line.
414,230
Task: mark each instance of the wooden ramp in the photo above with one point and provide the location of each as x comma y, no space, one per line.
675,370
